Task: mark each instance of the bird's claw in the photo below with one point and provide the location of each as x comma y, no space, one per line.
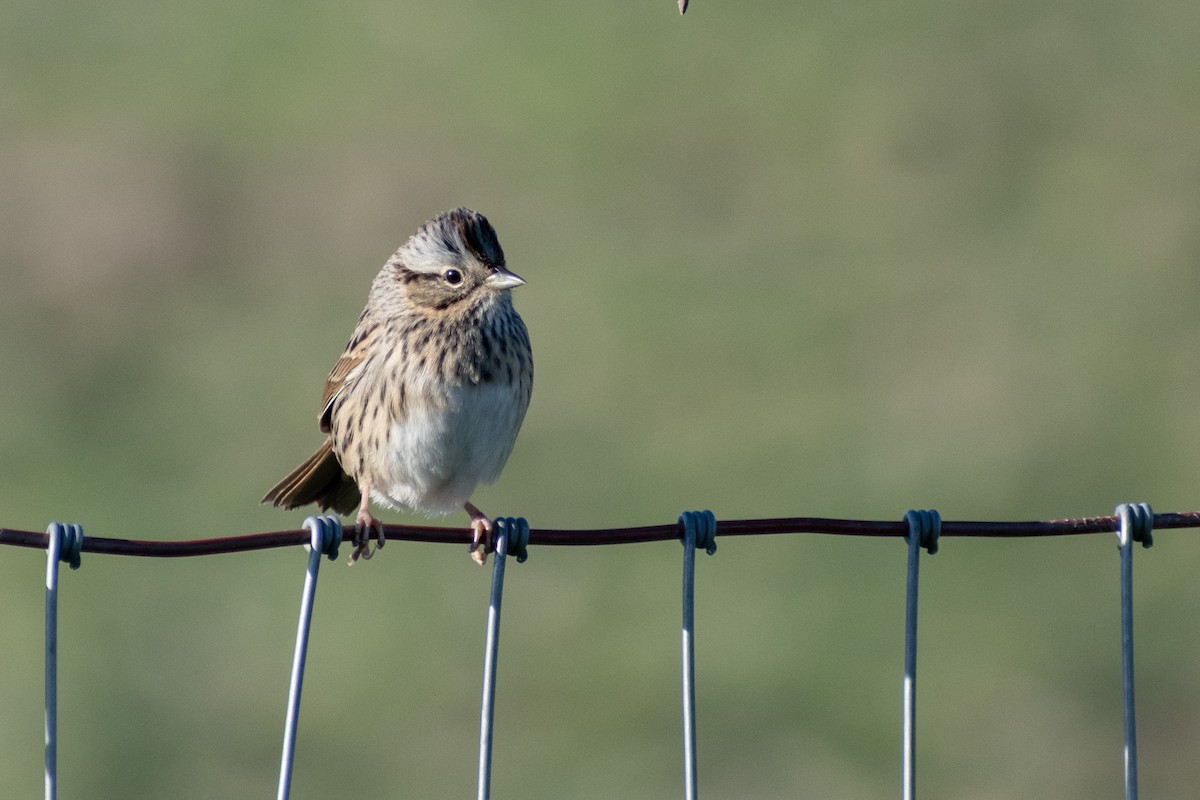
482,539
364,526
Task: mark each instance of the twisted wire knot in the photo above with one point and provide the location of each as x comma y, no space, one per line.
1137,524
70,542
516,536
926,526
702,525
326,534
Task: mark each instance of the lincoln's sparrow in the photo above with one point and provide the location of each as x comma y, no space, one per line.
427,399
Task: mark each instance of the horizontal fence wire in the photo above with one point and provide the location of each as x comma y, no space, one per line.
646,533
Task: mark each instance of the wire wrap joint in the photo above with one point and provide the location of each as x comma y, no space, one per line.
703,526
1137,524
926,526
516,539
326,534
70,542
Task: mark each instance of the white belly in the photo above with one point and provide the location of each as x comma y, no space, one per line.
438,455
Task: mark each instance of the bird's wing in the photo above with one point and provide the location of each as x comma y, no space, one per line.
345,372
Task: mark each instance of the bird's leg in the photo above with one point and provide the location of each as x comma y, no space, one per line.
482,542
364,526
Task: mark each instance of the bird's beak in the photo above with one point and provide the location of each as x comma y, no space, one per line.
503,279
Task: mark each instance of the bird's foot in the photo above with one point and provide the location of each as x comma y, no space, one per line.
364,526
482,538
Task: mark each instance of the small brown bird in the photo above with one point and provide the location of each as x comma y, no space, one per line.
426,401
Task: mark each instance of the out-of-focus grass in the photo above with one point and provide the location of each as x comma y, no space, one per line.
782,259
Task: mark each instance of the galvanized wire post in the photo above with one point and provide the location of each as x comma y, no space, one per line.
1137,524
64,544
326,536
699,530
512,536
924,528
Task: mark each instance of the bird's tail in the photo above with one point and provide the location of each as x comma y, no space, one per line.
321,480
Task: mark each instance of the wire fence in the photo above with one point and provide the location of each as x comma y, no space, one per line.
922,530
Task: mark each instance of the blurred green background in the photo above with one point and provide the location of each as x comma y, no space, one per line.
833,259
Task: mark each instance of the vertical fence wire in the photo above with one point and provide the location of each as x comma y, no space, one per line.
1137,523
52,551
699,530
65,543
326,536
512,536
924,528
910,669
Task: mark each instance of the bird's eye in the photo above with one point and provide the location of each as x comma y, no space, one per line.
453,277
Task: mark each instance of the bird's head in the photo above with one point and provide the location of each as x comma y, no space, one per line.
453,261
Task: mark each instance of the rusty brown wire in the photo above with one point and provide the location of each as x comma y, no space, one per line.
569,537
